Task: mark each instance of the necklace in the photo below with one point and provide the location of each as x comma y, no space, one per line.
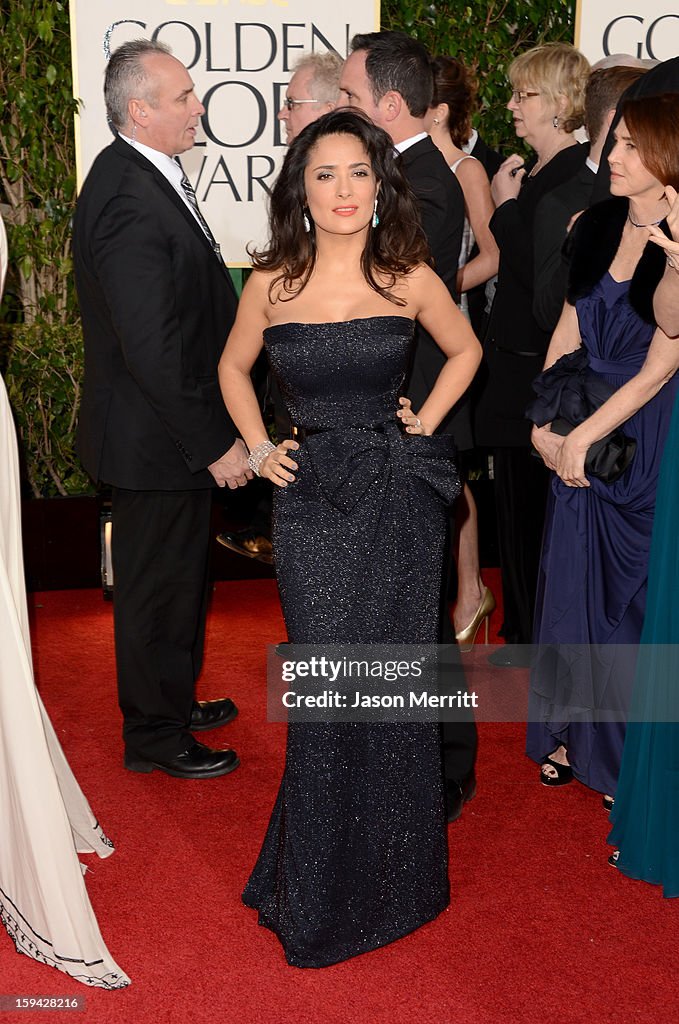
651,224
543,161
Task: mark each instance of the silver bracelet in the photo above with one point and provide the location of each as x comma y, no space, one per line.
258,454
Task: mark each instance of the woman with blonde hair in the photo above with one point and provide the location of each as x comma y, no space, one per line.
547,105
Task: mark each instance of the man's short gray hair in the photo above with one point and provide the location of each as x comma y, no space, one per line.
326,73
127,76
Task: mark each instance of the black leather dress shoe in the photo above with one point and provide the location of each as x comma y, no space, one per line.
249,543
209,714
198,762
458,794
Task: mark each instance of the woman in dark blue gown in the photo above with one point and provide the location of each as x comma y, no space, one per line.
355,854
646,813
594,568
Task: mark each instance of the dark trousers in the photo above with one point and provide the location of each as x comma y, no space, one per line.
159,547
521,482
459,739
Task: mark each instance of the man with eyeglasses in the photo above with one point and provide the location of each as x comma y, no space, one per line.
313,91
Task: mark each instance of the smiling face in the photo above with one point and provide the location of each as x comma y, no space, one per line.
168,114
340,185
629,177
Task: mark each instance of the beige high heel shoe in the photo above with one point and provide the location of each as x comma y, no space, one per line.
466,637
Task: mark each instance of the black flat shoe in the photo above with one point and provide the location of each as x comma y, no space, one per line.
198,762
458,794
564,773
209,714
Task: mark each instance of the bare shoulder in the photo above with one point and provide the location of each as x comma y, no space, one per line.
470,169
422,280
259,283
418,287
258,292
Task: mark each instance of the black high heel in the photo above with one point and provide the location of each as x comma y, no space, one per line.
564,773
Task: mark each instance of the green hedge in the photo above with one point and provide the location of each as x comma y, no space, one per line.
485,35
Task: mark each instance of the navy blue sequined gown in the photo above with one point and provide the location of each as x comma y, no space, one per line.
355,855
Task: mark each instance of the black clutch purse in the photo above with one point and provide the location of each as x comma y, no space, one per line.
567,393
606,459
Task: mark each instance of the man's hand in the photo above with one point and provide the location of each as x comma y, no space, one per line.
232,469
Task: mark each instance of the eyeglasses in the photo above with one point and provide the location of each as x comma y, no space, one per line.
519,95
291,104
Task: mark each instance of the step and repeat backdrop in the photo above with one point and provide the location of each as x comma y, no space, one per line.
643,28
239,54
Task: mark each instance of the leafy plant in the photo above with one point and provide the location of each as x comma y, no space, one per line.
42,344
485,35
44,370
37,159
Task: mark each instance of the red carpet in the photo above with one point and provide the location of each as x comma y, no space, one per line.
539,929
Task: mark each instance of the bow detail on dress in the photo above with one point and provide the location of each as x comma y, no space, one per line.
568,390
349,461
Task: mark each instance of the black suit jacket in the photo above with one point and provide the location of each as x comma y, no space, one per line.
157,305
441,206
515,344
552,217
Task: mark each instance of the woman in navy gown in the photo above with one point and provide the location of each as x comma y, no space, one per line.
593,575
646,813
355,853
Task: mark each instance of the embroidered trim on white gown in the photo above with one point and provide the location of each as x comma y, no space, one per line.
45,819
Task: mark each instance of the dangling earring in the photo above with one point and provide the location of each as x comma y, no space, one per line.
134,131
555,121
307,223
376,219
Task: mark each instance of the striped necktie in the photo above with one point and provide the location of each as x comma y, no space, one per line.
191,196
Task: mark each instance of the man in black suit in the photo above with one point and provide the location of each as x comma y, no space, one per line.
157,304
388,75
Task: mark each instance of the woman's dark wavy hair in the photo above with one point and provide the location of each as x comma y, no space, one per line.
392,249
653,124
